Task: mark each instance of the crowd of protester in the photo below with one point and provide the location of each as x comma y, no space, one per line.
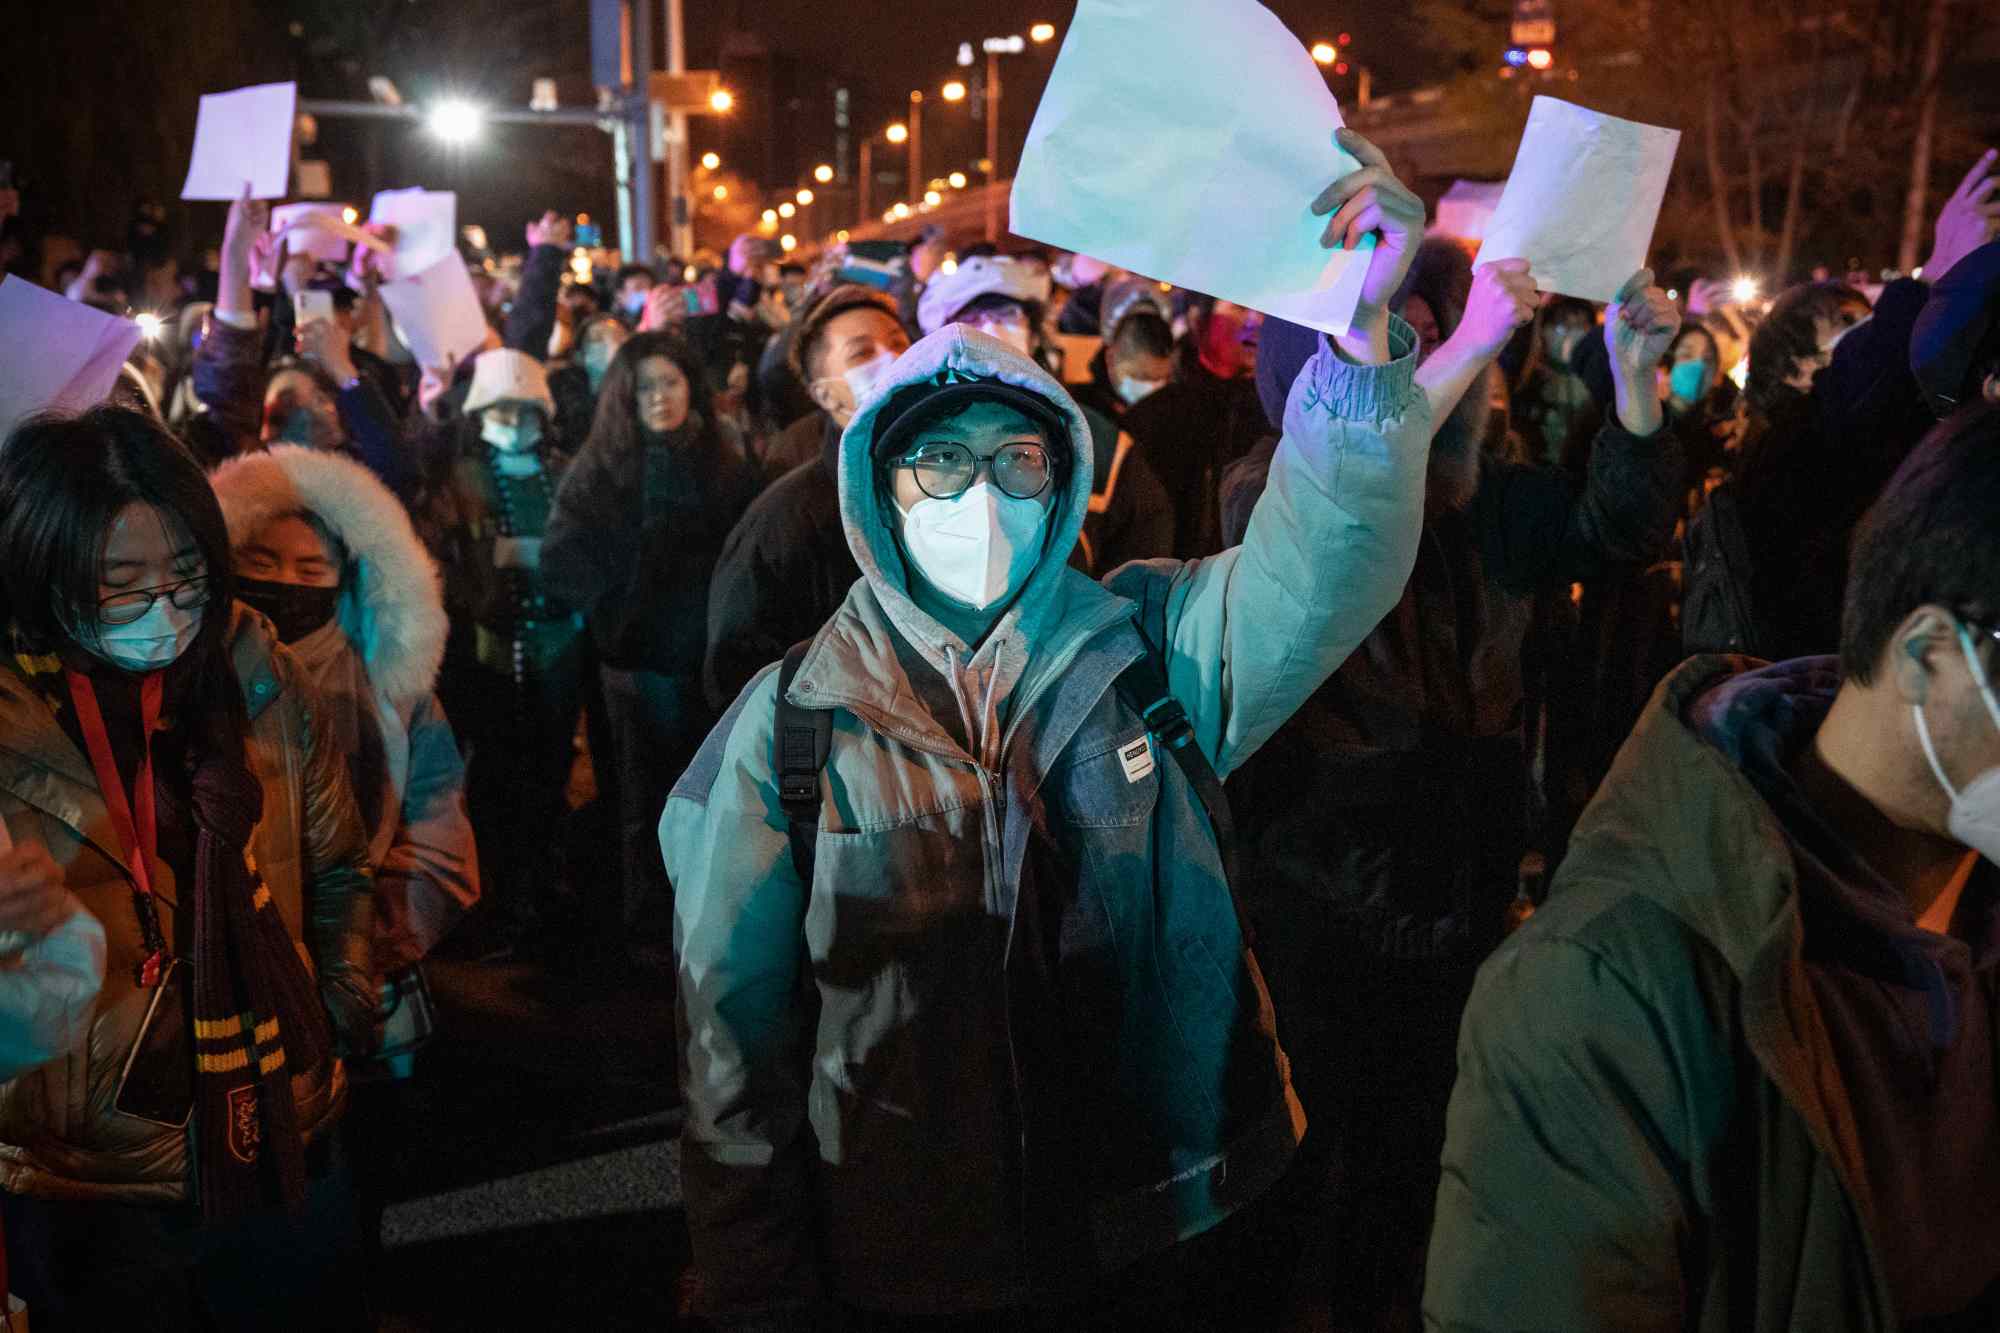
1157,816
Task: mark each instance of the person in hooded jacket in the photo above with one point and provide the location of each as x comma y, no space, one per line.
1136,359
330,557
1130,516
574,384
1387,821
1739,1071
176,1168
633,539
512,680
786,568
1002,1051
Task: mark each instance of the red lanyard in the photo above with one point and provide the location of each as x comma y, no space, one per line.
140,836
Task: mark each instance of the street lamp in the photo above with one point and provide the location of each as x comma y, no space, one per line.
787,209
805,198
721,193
771,215
899,132
1042,32
823,173
721,101
456,121
788,242
710,161
957,179
954,91
1325,52
933,198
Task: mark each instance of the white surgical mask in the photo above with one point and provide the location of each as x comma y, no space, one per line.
1133,391
1975,808
977,549
154,640
596,362
518,438
863,380
633,304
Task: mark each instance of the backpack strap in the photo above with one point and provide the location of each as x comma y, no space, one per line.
1143,686
803,739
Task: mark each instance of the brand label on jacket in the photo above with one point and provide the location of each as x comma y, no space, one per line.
1137,756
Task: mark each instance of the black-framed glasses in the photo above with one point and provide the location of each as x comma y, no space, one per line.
125,607
945,471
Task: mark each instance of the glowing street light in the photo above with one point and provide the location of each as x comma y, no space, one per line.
771,215
841,236
805,198
957,179
1744,289
788,242
1540,58
1042,32
954,91
1325,52
721,101
787,209
456,121
901,211
933,198
899,133
710,161
721,193
823,173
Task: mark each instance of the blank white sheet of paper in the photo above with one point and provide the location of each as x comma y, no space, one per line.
1186,140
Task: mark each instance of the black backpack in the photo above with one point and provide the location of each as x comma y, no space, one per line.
1718,611
804,738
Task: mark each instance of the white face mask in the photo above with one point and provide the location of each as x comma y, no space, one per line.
154,640
862,382
977,549
1133,391
518,438
1975,809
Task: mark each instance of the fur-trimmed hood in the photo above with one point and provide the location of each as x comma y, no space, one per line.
392,605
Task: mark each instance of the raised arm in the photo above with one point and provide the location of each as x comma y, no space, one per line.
1253,632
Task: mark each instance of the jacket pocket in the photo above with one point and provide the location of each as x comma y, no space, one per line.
1114,784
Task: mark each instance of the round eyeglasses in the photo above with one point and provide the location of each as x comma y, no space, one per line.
125,607
947,471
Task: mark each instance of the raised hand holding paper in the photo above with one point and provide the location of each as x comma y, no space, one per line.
1186,140
239,136
426,228
437,312
78,351
1582,200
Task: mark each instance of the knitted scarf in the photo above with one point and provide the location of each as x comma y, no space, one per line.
257,1012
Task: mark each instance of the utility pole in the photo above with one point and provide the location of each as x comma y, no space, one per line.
992,140
681,212
867,181
644,236
916,190
1916,203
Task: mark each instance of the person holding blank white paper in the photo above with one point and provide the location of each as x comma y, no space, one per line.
972,1037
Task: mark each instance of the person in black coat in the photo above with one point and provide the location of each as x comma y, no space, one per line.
1384,825
787,566
638,524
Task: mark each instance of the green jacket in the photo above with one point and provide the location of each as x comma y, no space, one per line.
1649,1131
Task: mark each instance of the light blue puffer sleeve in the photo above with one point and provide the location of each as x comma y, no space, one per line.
1254,631
48,991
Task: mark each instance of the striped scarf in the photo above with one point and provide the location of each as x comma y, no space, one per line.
257,1014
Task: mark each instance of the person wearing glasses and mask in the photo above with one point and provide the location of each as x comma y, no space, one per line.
637,527
969,1026
175,1169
